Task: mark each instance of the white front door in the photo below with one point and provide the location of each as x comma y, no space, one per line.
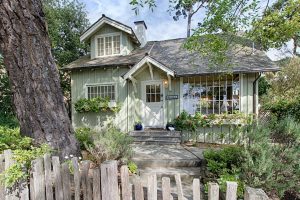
153,104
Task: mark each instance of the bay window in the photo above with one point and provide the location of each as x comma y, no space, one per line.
108,45
211,94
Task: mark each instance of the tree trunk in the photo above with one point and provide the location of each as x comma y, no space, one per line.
34,78
189,23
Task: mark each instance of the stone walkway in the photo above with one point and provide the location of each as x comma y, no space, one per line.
168,160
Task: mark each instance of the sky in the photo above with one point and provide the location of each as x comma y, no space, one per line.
160,23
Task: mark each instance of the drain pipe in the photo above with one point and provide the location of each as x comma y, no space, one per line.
254,93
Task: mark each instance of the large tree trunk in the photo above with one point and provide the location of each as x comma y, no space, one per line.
34,78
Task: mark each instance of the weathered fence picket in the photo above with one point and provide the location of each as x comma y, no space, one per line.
51,180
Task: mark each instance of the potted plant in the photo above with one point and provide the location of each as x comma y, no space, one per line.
170,126
138,126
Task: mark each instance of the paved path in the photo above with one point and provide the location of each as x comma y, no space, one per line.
168,160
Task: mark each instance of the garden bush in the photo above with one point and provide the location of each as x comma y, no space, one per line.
23,153
111,144
84,136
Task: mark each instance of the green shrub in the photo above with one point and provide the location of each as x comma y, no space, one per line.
284,108
8,121
133,168
84,136
20,169
95,105
225,160
11,139
231,177
111,144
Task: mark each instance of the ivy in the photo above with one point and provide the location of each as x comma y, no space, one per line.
96,105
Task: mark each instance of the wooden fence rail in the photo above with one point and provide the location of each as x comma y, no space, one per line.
52,180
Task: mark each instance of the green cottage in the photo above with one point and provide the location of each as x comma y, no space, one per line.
154,81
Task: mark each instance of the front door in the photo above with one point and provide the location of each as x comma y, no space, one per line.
153,104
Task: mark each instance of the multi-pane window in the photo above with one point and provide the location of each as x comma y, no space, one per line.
153,93
211,94
103,91
109,45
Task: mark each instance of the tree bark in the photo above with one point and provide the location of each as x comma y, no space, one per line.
34,78
190,15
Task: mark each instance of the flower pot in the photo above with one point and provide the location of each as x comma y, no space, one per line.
138,127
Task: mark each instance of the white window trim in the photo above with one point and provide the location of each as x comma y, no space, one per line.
107,35
102,84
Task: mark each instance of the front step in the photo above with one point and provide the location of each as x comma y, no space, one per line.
156,137
156,163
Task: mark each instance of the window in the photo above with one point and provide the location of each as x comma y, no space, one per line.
211,94
153,93
107,90
108,45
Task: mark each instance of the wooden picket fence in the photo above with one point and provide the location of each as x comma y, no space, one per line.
50,179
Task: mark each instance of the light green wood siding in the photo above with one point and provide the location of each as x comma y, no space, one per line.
246,81
132,101
79,80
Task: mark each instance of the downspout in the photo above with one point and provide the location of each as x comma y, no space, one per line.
127,83
254,93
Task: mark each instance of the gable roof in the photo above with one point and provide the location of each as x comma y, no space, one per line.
106,20
148,60
171,54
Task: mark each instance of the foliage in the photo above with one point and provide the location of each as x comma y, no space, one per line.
9,121
187,122
279,24
20,169
111,144
225,160
84,136
285,84
231,177
11,139
284,108
133,168
95,105
66,21
263,86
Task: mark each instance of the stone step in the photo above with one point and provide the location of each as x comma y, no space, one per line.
155,163
156,143
155,133
166,139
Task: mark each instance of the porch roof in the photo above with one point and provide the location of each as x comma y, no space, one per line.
150,62
171,54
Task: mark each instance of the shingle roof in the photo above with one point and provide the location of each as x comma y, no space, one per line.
172,54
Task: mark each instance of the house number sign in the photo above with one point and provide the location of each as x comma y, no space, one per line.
171,97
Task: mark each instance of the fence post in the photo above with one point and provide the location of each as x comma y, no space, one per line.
57,178
179,187
109,180
48,179
10,193
196,189
65,172
126,189
138,188
76,178
255,194
231,191
213,191
2,168
85,180
96,184
39,179
166,188
152,187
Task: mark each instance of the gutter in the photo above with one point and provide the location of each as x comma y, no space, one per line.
254,93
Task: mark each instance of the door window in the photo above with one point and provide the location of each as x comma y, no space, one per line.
153,93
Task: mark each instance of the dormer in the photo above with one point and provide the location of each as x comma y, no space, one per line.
108,37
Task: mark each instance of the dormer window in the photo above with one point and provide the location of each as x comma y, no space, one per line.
108,45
